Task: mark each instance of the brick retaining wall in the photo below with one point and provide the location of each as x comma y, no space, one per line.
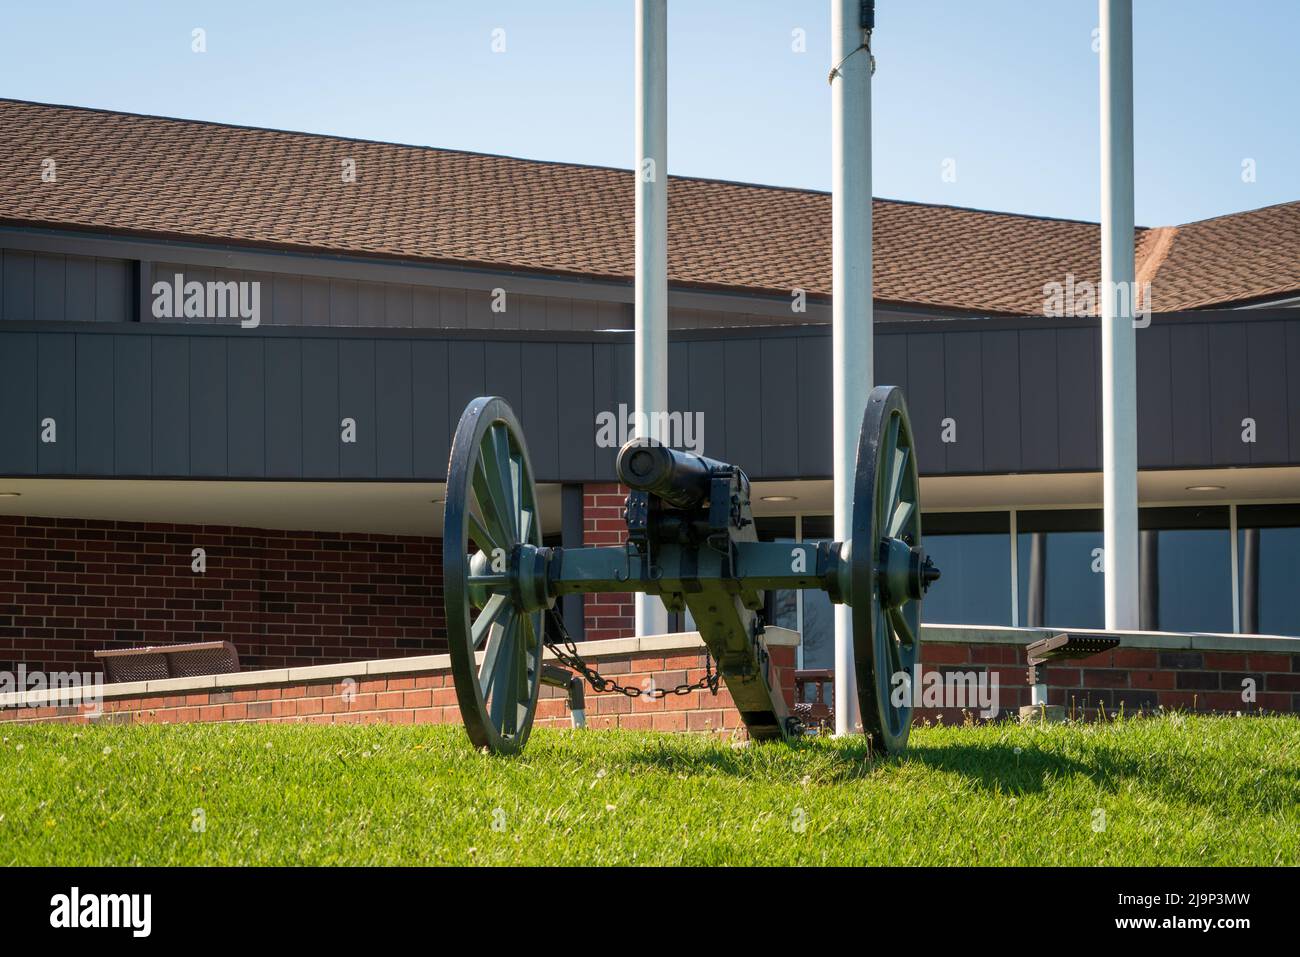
1148,671
69,587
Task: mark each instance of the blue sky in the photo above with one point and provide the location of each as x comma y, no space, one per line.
1005,88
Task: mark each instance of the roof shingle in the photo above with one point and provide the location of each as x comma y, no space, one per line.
152,176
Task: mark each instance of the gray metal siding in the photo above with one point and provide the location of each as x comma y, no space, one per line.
18,419
433,415
813,367
53,287
743,404
95,393
208,424
283,412
1293,387
926,405
963,390
246,387
394,407
574,399
321,421
1230,392
1078,398
1155,398
357,402
177,401
1040,447
1267,397
171,405
132,405
540,408
779,409
56,398
1000,352
50,287
1189,364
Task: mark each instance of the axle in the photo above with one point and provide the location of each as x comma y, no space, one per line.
537,576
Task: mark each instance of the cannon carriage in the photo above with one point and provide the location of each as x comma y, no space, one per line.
692,542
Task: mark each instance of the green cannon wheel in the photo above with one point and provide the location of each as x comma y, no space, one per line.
889,572
494,630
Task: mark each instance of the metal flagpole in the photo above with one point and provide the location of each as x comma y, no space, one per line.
1118,337
651,264
851,316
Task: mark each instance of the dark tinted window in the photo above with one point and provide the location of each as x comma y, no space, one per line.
1273,533
976,585
1195,572
1073,586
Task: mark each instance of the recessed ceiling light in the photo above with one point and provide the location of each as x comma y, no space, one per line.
1205,488
780,498
10,494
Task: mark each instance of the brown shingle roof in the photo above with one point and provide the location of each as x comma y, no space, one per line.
152,176
1246,256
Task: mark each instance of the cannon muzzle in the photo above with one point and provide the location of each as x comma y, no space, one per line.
681,479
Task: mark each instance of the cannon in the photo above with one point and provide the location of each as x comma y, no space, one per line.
691,541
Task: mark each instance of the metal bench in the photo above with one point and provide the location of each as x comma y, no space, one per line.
169,661
818,713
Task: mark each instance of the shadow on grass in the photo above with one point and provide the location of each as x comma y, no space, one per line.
996,768
1006,769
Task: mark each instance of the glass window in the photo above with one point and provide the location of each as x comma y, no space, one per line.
818,630
1070,591
782,605
1193,582
1195,579
973,552
818,610
1074,593
1268,553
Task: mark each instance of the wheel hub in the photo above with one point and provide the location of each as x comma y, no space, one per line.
903,572
529,584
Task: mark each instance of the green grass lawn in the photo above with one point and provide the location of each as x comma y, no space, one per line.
1170,790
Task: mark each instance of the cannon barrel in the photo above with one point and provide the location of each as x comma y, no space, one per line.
679,478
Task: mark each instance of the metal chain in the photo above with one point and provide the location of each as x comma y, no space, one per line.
568,655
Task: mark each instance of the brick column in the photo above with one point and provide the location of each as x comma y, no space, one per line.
610,615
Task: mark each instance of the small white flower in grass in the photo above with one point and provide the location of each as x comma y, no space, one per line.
611,807
268,745
107,750
18,747
1015,751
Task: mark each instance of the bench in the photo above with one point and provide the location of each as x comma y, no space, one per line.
169,661
818,713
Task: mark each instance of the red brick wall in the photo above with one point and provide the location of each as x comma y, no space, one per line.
613,614
70,586
1129,679
418,698
431,697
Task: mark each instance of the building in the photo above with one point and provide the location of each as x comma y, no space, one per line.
293,418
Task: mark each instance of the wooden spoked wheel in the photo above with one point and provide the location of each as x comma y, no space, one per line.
491,533
889,571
